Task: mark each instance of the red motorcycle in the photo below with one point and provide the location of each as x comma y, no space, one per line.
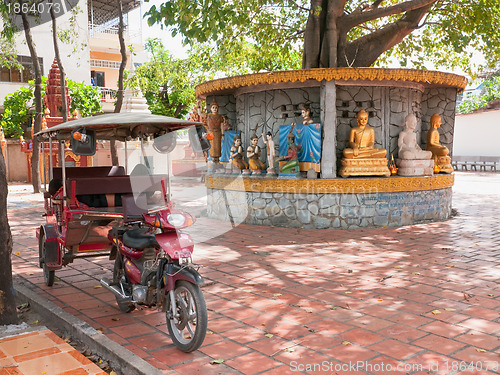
153,267
104,210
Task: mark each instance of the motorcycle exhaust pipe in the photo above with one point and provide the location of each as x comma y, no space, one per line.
114,288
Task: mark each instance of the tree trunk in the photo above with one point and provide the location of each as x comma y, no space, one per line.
64,105
328,57
8,313
119,95
123,52
35,156
314,34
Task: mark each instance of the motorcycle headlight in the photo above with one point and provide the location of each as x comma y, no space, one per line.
176,220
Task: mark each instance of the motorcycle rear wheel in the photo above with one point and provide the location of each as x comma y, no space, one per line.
124,304
189,330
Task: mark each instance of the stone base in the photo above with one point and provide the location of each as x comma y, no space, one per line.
330,203
444,164
364,167
415,167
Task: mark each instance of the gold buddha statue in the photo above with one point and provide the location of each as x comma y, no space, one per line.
362,140
439,152
362,158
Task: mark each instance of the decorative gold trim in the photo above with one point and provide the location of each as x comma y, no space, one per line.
328,186
426,77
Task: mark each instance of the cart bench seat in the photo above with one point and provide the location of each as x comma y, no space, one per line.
100,171
99,187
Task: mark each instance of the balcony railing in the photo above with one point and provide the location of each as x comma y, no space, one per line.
107,94
111,32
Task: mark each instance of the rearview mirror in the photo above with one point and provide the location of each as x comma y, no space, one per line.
165,143
198,138
83,142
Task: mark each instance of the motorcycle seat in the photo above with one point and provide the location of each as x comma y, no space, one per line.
138,239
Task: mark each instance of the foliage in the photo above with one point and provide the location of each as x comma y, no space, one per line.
447,36
71,34
490,93
19,106
17,115
166,82
85,99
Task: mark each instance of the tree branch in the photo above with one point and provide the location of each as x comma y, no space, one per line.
359,17
374,44
299,6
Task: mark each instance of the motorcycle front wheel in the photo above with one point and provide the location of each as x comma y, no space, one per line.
187,326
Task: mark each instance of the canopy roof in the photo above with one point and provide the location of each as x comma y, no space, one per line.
119,126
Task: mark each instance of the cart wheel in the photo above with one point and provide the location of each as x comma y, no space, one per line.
48,275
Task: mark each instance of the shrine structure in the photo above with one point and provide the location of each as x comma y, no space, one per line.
318,198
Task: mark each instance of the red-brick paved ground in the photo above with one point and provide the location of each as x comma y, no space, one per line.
418,299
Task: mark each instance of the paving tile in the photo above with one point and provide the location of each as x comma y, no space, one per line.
350,353
204,367
395,349
473,354
402,333
252,363
439,344
42,352
481,325
370,322
151,341
480,339
226,350
444,329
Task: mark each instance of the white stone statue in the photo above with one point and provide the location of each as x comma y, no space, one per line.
407,142
271,151
412,160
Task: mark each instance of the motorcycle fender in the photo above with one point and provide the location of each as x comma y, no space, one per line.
53,252
176,244
175,273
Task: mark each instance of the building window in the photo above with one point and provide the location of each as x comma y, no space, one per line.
25,75
105,64
97,78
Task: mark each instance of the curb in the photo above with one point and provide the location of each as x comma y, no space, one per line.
122,360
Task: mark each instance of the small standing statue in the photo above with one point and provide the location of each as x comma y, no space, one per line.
236,155
362,158
413,161
306,114
215,124
439,152
198,113
253,154
271,152
292,158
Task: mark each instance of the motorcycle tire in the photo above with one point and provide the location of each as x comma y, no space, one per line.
48,275
187,332
124,304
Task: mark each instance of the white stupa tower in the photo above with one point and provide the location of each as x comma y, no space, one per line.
133,101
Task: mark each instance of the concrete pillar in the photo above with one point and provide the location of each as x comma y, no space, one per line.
328,98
